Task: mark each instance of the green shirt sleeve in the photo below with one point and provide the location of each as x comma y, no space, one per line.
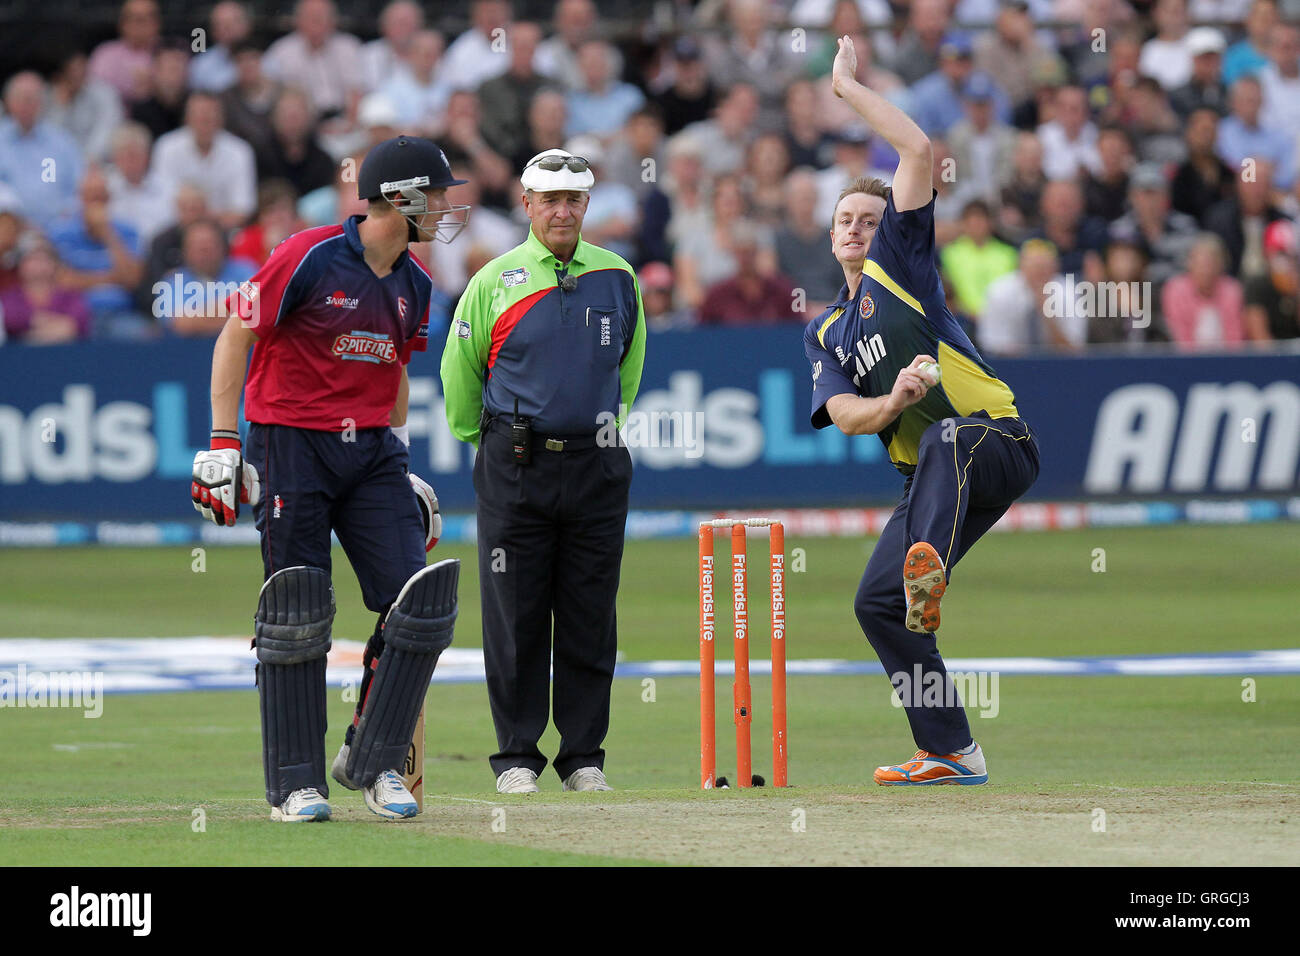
629,371
464,359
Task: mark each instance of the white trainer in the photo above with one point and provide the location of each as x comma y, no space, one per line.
586,778
518,780
388,797
339,769
302,806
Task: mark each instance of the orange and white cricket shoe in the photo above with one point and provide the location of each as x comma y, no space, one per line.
927,768
924,582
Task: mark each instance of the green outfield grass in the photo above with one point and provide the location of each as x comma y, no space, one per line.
1180,770
1165,590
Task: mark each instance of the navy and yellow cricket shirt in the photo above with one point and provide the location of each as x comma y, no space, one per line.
859,344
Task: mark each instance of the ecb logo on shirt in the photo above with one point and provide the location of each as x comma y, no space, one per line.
867,307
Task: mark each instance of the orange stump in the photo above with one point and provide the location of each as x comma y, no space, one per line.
708,725
742,702
740,692
779,755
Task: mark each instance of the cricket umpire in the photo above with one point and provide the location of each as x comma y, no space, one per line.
889,359
332,319
545,350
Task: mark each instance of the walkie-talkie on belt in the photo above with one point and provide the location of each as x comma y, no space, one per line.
521,437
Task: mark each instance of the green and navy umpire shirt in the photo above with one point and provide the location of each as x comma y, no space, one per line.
332,336
859,344
568,357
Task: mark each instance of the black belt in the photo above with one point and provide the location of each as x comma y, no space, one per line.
542,441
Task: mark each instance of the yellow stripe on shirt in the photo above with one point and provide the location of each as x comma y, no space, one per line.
872,268
826,325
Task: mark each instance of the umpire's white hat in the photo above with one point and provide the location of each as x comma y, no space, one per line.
555,169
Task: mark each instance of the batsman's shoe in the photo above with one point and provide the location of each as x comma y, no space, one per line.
388,797
586,778
339,769
303,806
924,582
927,768
518,780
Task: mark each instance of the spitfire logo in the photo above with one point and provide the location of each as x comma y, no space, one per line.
365,347
340,300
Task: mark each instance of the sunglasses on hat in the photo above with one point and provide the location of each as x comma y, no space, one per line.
553,164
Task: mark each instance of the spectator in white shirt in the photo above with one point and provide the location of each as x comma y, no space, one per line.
1280,81
1070,140
135,195
820,13
399,24
1166,55
87,108
1028,309
220,163
318,59
416,88
479,53
214,68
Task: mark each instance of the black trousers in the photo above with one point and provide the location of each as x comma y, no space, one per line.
550,542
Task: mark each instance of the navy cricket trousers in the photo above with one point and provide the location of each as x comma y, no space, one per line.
969,471
314,481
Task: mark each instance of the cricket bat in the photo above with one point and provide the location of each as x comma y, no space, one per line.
413,769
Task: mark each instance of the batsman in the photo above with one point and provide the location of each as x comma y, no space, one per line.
332,319
889,359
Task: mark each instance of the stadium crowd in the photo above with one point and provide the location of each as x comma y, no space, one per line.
1108,171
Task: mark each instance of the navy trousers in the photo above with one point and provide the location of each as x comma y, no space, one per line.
550,547
315,481
968,472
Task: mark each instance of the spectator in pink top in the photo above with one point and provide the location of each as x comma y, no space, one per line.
1203,306
125,63
40,310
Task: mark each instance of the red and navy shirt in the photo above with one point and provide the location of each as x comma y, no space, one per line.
332,335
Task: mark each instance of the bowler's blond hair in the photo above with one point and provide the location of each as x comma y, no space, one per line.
868,185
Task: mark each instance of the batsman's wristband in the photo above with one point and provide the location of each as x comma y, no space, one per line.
403,433
221,438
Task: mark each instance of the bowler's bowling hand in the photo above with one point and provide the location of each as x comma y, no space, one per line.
845,68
